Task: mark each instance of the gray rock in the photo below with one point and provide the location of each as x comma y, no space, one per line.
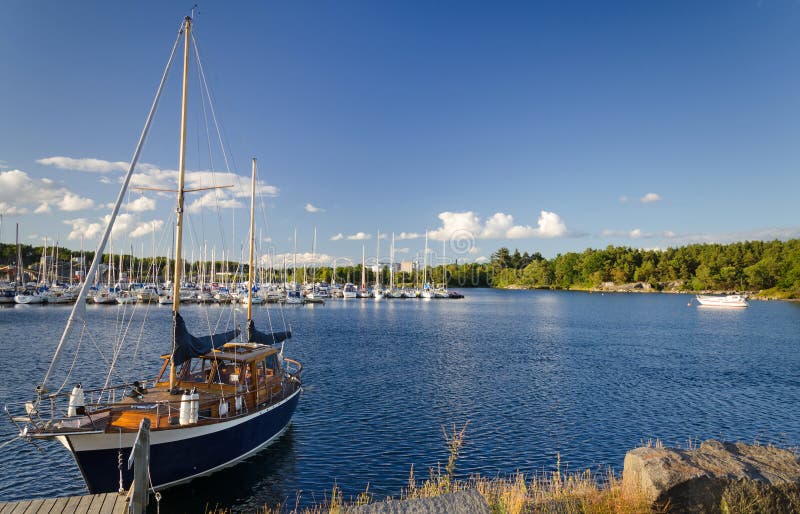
716,477
462,502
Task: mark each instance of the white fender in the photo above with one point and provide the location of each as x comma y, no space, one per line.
77,401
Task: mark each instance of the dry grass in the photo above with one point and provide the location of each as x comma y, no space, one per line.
559,491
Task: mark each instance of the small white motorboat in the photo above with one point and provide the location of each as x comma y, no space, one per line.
731,300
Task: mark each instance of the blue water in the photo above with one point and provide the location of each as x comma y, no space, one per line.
535,373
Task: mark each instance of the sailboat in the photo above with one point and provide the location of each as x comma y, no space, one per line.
215,401
377,292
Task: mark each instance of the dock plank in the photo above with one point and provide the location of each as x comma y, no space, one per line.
107,503
21,506
114,503
35,506
47,506
83,504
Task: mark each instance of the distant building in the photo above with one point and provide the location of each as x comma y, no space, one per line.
407,267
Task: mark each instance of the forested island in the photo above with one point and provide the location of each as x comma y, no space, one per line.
769,268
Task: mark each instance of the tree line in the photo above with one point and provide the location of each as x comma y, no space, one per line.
772,267
769,266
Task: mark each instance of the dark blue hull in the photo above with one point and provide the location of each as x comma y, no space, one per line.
179,461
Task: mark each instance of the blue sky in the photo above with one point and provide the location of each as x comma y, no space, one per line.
543,126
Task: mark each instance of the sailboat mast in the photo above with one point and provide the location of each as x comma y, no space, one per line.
176,296
391,266
19,263
378,261
363,267
252,242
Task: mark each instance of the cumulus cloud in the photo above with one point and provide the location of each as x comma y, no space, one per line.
146,228
468,226
141,204
43,208
482,259
20,190
650,198
359,236
213,199
84,164
82,227
307,259
125,225
8,208
225,198
312,208
337,237
408,235
73,202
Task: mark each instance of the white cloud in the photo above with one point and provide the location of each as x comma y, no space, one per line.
146,228
73,202
467,226
402,250
7,208
482,259
312,208
408,235
624,199
81,227
306,258
212,200
225,198
650,198
337,237
360,236
121,225
383,236
84,164
21,191
43,208
141,204
550,225
125,225
455,224
104,180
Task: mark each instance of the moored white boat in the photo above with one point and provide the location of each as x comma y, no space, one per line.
349,291
28,298
731,300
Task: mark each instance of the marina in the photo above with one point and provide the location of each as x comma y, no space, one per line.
281,257
664,370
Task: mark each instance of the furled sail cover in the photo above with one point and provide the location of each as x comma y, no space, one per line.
255,336
188,346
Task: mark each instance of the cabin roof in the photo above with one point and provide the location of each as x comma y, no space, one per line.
242,352
238,352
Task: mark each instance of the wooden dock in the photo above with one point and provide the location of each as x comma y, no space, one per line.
108,503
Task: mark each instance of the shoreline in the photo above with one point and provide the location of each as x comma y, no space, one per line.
641,288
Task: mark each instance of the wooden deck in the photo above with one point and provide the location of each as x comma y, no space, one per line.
109,503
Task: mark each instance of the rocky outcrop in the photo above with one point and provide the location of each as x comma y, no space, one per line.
462,502
716,477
